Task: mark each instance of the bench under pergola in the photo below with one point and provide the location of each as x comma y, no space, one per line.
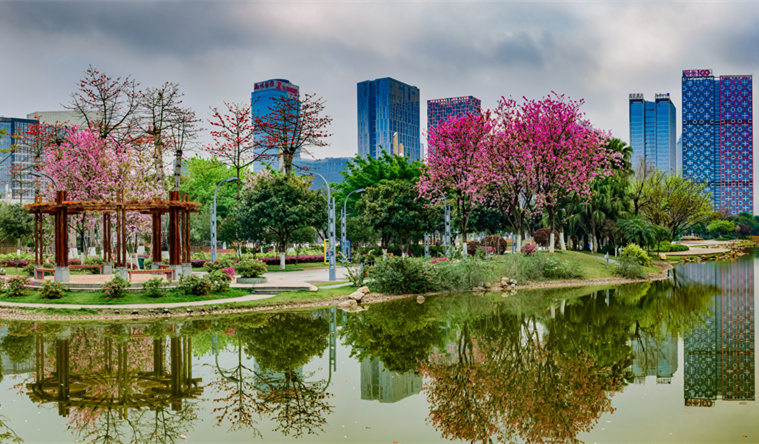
114,213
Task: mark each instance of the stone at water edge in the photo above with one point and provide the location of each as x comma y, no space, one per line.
420,299
348,303
356,296
364,289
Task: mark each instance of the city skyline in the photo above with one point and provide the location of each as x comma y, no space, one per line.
599,52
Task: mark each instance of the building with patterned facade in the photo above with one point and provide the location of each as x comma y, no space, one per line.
264,97
719,353
653,132
386,107
440,110
717,137
16,160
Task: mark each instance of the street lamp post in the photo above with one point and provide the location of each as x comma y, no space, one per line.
331,230
343,221
213,217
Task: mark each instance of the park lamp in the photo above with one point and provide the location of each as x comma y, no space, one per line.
43,175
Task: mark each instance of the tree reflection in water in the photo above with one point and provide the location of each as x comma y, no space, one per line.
116,384
547,376
276,386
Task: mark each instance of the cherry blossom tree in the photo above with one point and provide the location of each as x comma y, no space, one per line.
294,125
455,147
568,153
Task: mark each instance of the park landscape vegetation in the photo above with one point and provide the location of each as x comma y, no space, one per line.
534,166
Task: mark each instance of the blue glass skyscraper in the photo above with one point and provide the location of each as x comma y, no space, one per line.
387,106
653,128
264,98
718,137
17,161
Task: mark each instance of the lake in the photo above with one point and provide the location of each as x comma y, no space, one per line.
669,361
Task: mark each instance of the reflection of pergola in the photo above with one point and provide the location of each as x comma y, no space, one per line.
114,386
178,207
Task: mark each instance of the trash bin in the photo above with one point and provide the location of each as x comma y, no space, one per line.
141,262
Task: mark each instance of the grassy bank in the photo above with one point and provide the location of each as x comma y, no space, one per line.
98,298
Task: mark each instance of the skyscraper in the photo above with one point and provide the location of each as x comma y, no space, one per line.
16,163
718,137
440,110
265,96
653,132
385,107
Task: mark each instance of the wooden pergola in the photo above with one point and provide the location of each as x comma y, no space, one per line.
178,207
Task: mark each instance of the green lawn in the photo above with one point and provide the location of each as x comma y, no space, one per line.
98,298
295,267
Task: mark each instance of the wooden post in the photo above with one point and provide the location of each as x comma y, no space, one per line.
61,231
174,229
156,247
107,252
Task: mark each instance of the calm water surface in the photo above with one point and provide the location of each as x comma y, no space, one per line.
669,361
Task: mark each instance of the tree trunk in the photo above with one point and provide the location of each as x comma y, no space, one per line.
282,260
561,240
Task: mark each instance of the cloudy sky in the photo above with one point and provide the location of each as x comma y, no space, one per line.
217,50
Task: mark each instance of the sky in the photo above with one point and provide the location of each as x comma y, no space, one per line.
216,51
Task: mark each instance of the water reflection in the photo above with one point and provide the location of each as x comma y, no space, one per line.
719,355
536,367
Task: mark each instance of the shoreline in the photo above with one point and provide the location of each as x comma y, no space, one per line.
107,312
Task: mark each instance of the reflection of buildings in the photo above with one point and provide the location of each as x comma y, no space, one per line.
655,357
8,366
380,384
115,378
719,355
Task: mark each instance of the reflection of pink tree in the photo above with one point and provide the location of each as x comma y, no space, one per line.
511,385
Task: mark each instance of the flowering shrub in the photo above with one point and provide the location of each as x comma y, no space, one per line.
436,260
528,250
195,285
75,262
53,290
115,288
220,280
218,264
16,287
556,269
488,250
250,268
154,287
230,271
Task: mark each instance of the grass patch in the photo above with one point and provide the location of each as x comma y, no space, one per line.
295,267
98,298
297,297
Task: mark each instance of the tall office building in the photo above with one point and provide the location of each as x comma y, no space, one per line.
440,110
653,132
265,96
386,107
15,163
718,140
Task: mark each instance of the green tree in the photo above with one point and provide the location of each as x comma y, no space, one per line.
746,224
721,227
275,207
14,223
675,202
637,230
395,211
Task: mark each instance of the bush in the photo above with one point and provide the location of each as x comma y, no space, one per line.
116,287
556,269
75,262
218,264
148,264
528,250
250,268
634,251
399,275
499,244
543,237
462,275
679,247
194,285
629,268
94,260
219,280
16,287
472,246
154,287
52,290
28,270
666,247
